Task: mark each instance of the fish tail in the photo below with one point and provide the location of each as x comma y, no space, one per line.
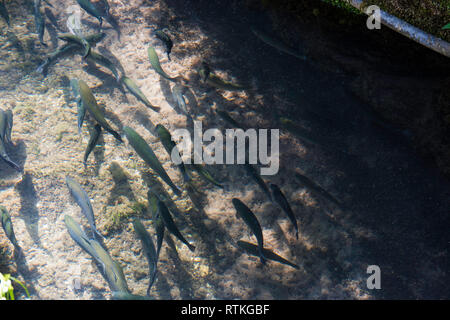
11,163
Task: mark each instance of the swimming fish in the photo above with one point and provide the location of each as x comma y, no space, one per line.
149,250
164,37
78,235
113,272
204,174
170,224
90,103
87,6
279,45
39,20
166,139
95,134
121,295
253,249
147,154
215,81
134,89
82,199
281,200
104,61
204,71
81,41
178,95
68,48
81,110
8,227
154,60
252,172
316,189
158,223
252,222
4,12
5,137
9,124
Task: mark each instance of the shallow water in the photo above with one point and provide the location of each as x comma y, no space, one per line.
396,205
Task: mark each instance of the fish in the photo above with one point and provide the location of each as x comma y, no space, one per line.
78,235
147,154
204,71
252,222
134,89
121,295
204,174
158,223
82,199
154,60
113,273
166,139
277,44
4,12
170,224
281,200
213,80
87,6
104,61
4,156
164,37
68,48
149,250
95,134
81,110
79,40
178,95
316,189
225,116
8,227
252,172
253,249
9,124
5,137
90,103
39,20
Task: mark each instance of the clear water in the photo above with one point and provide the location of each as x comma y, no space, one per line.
395,206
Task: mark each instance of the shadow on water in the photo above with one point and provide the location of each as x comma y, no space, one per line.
388,189
144,120
28,211
122,186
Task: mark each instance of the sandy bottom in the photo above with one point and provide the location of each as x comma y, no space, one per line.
330,250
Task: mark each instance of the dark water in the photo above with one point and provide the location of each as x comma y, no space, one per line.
395,201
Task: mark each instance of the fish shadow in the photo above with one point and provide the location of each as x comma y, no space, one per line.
108,54
121,184
145,121
28,210
53,34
